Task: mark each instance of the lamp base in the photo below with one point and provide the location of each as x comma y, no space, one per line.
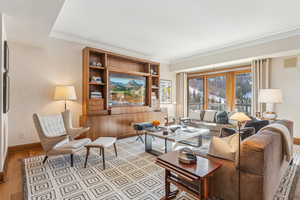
270,115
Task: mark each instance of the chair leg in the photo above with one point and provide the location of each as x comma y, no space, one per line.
100,152
115,147
72,160
292,161
137,138
87,155
103,157
45,159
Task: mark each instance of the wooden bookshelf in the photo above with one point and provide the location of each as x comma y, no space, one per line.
98,64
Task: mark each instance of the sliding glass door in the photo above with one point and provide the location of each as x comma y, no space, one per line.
229,91
216,92
243,92
195,94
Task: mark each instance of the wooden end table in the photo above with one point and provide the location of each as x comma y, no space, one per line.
192,178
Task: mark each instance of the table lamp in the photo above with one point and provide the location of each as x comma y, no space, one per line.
240,118
65,93
270,97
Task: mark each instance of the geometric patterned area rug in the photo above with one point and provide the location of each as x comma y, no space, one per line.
287,187
133,175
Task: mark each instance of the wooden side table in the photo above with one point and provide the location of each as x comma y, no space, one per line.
192,178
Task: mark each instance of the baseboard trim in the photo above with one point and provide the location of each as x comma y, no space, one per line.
297,141
24,146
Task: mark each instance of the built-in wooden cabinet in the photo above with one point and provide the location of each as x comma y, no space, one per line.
97,64
107,120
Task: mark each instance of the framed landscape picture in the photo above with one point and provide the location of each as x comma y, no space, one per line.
165,91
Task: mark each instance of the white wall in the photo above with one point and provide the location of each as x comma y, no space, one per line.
288,80
34,73
3,117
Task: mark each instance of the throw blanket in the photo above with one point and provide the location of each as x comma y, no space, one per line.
287,140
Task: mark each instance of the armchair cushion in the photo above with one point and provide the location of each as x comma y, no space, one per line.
52,125
75,144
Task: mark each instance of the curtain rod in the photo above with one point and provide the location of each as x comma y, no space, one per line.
218,71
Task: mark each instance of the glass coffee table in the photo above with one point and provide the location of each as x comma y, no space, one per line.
182,135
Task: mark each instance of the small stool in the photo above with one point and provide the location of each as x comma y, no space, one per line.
101,143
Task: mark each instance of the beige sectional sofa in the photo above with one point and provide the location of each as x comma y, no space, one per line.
262,167
197,120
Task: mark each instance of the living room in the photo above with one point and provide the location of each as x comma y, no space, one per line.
183,64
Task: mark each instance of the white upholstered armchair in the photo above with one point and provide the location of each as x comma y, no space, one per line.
57,134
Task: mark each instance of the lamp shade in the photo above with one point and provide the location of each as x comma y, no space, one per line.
240,117
65,93
270,96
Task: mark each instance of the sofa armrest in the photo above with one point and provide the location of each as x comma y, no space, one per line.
261,152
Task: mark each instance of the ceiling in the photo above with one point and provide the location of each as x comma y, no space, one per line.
163,30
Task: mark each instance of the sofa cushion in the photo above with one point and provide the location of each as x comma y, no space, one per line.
209,116
222,117
225,147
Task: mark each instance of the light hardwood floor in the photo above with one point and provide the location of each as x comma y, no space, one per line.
12,189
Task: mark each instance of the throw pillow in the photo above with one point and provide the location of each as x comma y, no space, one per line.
257,124
195,114
225,147
245,132
209,115
225,132
222,117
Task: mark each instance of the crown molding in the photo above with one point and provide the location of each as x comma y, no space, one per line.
104,46
240,44
206,52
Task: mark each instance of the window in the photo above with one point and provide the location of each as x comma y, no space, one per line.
195,94
220,91
217,93
243,92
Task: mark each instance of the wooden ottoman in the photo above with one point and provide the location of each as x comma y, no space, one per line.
101,143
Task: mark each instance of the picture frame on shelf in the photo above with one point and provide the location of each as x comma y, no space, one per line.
165,91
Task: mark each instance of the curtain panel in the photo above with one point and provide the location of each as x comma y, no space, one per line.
181,94
261,80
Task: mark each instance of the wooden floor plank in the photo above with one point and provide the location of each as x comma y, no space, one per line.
12,188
